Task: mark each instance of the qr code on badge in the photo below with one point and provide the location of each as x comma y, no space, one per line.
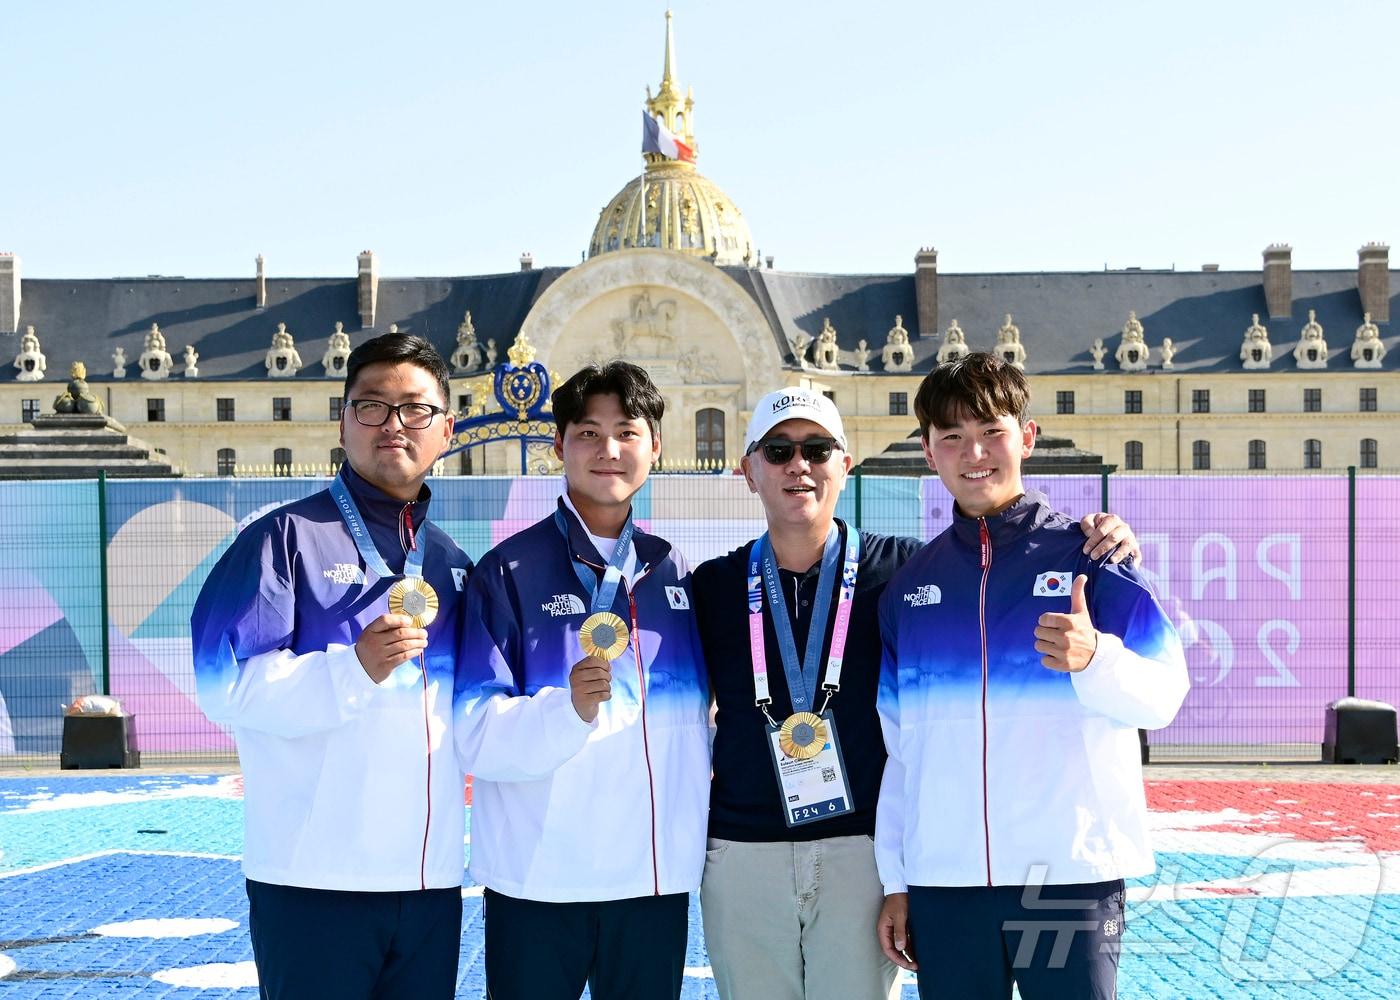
828,774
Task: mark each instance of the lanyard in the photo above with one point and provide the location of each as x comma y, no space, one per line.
763,577
601,594
359,531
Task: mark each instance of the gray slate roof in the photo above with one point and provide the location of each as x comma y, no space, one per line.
1059,315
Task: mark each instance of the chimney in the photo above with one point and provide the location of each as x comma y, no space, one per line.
527,261
9,293
262,283
1278,280
926,291
369,289
1372,280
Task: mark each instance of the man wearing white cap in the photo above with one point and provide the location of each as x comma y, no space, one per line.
791,895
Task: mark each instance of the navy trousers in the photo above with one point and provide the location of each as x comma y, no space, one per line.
624,949
1055,942
354,945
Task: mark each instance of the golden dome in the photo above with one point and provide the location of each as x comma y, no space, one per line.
672,206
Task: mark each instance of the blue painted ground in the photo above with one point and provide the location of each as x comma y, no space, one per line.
175,854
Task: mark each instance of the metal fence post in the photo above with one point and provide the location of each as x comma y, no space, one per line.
1351,581
102,565
860,522
1103,487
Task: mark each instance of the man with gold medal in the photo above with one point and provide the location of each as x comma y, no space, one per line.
790,894
326,638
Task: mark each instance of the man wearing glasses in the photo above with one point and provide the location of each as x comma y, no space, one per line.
326,637
790,895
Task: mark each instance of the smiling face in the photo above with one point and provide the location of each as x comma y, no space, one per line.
979,461
797,493
606,456
393,457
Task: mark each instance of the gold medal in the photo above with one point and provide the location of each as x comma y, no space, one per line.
415,597
604,635
802,736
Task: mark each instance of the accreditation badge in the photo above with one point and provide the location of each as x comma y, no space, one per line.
811,776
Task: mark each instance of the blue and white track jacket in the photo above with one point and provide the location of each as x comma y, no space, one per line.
348,784
564,810
1001,770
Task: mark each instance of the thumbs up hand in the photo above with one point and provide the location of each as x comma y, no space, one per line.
1067,642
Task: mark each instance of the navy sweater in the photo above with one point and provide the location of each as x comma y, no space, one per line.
745,804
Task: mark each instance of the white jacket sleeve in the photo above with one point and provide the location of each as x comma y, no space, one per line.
286,694
889,808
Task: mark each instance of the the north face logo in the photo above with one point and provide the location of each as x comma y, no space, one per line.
564,604
344,573
924,596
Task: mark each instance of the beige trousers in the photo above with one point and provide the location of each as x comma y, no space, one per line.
795,921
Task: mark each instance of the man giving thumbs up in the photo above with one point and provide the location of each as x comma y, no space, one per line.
1011,807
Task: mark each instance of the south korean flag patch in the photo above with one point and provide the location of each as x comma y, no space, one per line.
1053,584
676,597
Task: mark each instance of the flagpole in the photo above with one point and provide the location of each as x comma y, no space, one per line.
643,227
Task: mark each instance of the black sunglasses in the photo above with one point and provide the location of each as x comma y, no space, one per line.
778,451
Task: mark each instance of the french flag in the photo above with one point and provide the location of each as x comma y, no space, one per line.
656,138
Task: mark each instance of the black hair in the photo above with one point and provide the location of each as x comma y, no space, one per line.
633,387
979,385
399,348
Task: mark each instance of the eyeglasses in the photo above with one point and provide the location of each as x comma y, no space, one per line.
778,451
413,416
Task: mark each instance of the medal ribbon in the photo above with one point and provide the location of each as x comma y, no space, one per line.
359,531
601,595
763,577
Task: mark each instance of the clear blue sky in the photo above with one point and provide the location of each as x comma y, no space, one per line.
185,138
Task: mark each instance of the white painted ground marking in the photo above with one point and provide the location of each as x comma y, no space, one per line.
166,927
217,975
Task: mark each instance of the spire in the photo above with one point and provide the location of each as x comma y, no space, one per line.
668,106
666,82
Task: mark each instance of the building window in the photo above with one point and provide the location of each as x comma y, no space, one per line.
1369,458
899,404
337,458
1312,454
1132,400
155,410
1132,455
1256,400
28,410
464,402
1257,455
709,437
228,460
1064,401
282,462
336,403
829,394
1200,400
1312,400
281,407
1200,455
223,408
1368,400
465,462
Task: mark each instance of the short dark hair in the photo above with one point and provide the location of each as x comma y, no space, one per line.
399,348
979,385
633,387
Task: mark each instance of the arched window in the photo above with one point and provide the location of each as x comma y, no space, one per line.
709,436
337,458
1132,455
228,461
1312,454
282,462
1258,455
1200,455
1369,456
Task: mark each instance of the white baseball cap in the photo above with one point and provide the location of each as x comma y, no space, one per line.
794,404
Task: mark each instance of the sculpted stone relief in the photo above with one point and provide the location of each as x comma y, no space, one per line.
1256,351
1311,351
1367,350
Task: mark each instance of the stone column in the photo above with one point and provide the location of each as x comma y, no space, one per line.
369,289
1373,280
926,291
9,293
1278,280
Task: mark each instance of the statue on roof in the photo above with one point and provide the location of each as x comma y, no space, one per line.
799,342
1311,351
954,344
77,397
1168,352
155,360
337,351
30,361
1367,350
119,363
191,362
468,355
490,352
1132,349
1256,351
1009,347
861,355
826,353
282,359
1097,352
898,354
